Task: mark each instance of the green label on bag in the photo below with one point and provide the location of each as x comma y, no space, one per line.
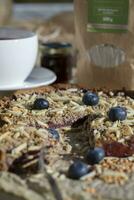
108,15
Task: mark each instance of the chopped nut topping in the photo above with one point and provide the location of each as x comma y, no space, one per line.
24,129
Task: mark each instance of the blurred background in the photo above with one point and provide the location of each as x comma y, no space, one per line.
53,20
37,1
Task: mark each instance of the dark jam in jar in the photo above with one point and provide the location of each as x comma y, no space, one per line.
59,58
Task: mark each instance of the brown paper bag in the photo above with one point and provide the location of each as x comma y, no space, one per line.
106,59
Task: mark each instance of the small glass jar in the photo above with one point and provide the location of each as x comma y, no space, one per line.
59,57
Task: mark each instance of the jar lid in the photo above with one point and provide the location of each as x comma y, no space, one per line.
56,47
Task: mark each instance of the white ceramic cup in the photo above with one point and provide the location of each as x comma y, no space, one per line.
18,53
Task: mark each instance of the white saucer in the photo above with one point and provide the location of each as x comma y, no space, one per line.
38,77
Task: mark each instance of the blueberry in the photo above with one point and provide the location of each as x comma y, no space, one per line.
54,133
77,170
41,104
90,99
94,156
117,114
